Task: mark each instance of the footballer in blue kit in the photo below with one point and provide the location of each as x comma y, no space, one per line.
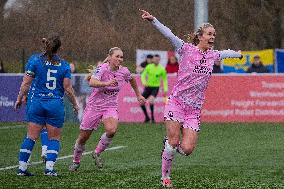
47,79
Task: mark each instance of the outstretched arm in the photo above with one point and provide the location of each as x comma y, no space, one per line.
230,54
175,41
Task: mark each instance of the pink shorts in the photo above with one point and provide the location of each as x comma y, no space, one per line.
92,118
187,116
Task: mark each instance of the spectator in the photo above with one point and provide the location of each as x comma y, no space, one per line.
217,67
142,66
172,66
1,67
257,66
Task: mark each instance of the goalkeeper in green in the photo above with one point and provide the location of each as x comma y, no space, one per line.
151,79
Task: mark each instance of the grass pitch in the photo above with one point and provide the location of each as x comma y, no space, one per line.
227,156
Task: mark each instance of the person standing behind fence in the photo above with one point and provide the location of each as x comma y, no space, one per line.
172,65
183,110
151,79
257,66
51,76
107,80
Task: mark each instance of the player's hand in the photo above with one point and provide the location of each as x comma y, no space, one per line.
166,99
146,15
111,83
24,100
18,104
141,100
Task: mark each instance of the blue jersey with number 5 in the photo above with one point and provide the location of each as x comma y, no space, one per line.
48,77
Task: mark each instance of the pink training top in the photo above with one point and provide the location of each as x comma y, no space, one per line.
107,97
195,70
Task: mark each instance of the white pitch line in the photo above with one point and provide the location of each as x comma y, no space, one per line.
12,127
63,157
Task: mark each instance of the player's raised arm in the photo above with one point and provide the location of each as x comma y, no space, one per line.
175,41
25,86
69,91
230,54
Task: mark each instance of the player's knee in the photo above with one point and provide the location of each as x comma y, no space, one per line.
111,132
188,149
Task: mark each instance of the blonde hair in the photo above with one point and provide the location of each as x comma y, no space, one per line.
193,37
110,52
92,68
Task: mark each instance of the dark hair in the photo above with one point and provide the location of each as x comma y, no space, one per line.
149,56
193,37
156,55
51,45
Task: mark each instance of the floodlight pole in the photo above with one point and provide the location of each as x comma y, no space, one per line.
200,13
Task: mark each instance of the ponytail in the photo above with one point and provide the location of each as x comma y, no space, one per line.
51,46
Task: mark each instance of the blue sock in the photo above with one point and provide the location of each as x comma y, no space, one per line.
44,141
25,152
52,153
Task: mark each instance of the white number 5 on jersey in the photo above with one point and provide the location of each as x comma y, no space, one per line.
51,86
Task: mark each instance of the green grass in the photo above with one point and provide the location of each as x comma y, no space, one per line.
227,156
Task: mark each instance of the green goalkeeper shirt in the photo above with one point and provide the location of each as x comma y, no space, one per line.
154,74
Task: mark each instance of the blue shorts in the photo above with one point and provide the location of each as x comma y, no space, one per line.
46,111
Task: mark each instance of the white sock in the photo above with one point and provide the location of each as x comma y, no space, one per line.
43,150
49,165
23,165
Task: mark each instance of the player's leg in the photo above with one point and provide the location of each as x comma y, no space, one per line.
90,122
79,148
188,143
35,123
174,117
53,148
146,93
170,144
190,131
110,121
151,99
33,132
44,141
54,109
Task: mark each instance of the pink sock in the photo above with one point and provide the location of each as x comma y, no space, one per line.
167,158
103,144
78,150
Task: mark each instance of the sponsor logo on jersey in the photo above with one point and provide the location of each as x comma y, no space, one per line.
202,70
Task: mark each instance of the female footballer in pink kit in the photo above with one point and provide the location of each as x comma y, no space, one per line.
107,81
182,113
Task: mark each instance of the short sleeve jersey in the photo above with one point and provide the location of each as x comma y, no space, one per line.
107,97
48,77
195,70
